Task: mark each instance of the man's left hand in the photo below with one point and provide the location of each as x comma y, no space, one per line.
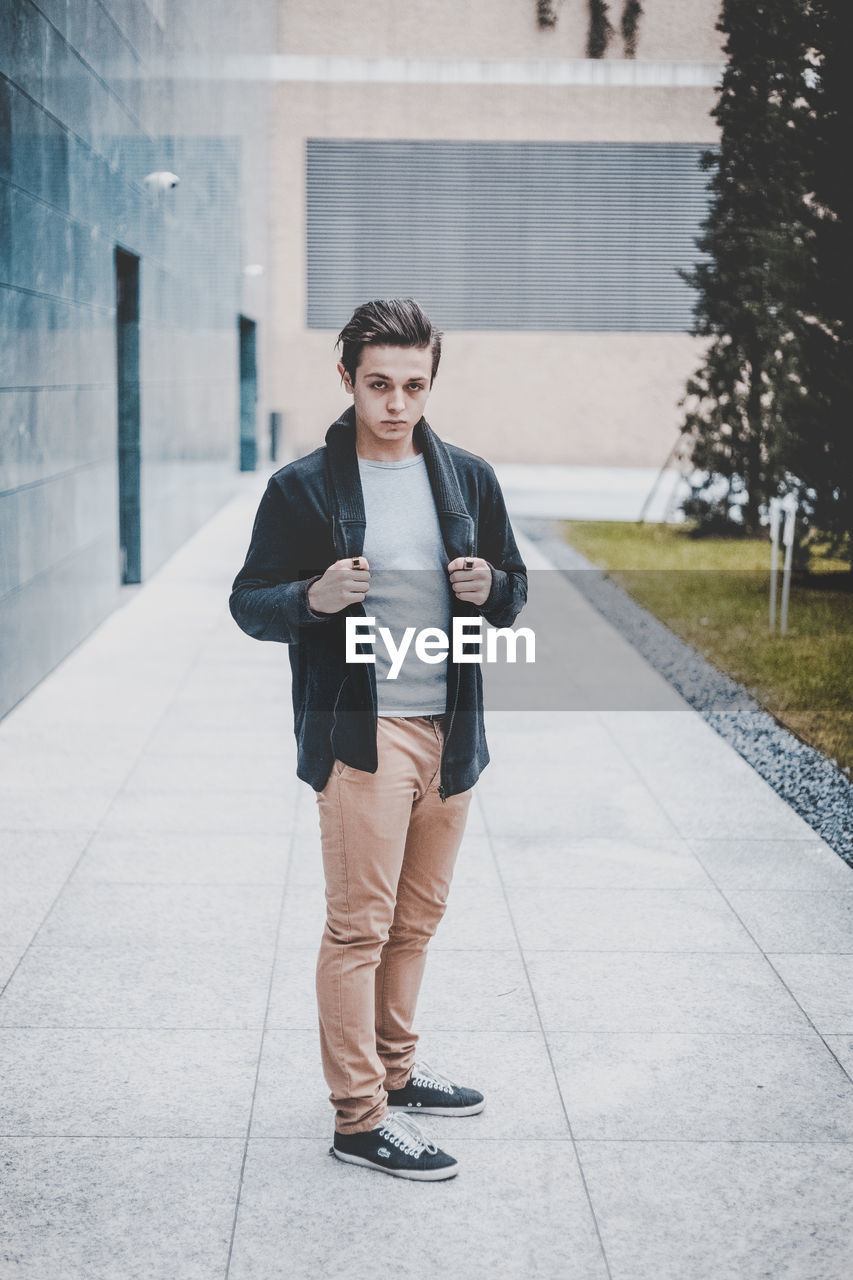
472,584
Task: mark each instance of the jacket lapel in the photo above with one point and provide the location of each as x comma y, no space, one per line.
348,517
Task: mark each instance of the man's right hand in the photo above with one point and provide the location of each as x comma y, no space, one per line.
342,584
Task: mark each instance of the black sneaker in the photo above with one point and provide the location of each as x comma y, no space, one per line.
396,1146
433,1094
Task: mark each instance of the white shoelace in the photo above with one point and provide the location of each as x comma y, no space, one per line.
405,1134
424,1074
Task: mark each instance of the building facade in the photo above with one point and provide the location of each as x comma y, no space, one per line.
537,202
133,314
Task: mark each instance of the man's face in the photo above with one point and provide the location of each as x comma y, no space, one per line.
392,385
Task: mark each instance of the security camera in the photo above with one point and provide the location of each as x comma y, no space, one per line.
162,180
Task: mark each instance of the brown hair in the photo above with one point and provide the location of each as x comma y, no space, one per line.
388,322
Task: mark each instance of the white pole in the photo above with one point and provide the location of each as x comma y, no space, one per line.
788,540
774,557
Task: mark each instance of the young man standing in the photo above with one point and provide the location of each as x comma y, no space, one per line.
388,525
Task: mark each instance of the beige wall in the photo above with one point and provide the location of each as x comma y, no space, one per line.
567,397
668,29
603,399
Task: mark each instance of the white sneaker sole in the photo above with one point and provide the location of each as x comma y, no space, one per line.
416,1175
441,1111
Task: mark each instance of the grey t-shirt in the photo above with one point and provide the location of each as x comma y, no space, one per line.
409,586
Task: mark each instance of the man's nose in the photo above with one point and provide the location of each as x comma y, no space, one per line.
396,402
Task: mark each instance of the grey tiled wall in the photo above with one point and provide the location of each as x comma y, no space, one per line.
88,106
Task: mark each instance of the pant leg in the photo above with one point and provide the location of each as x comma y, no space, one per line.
364,820
432,843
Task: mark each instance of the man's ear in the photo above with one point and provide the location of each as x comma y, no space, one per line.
345,378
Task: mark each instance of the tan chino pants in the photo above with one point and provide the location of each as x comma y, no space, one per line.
389,846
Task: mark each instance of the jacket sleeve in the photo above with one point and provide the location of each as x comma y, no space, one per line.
268,600
497,546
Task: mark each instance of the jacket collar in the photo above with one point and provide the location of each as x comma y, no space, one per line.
349,518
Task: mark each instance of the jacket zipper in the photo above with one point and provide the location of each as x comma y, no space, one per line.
442,790
338,698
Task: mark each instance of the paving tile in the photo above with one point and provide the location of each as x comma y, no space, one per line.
722,807
138,1010
808,920
237,812
187,857
23,908
38,738
236,680
626,920
215,709
822,985
305,865
292,1099
96,914
599,862
722,1210
569,812
306,821
140,986
39,857
524,725
476,918
497,1063
84,701
706,788
515,1209
104,1208
117,1082
10,958
475,862
555,768
293,994
28,772
269,775
703,1087
228,644
773,864
477,990
481,990
54,808
562,740
303,916
476,822
842,1047
173,736
675,991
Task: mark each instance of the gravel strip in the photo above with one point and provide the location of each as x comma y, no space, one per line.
812,785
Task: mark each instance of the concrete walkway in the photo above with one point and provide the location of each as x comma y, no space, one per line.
647,965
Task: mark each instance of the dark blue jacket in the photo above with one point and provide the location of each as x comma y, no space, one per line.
311,515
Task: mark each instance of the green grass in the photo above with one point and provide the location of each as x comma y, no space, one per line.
714,593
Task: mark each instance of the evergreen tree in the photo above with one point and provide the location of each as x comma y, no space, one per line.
819,437
755,239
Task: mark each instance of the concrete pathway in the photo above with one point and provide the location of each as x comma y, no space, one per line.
592,493
647,965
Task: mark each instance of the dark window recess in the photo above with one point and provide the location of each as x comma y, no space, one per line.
127,360
248,394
